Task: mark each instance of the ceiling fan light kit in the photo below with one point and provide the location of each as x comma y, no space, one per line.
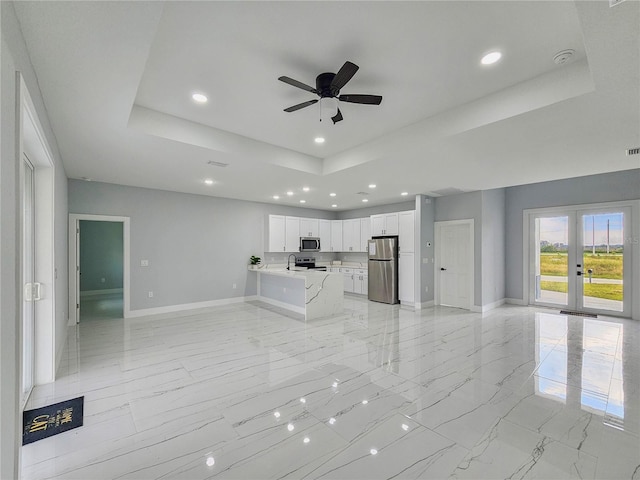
328,86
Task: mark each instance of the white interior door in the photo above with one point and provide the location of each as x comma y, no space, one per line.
578,259
29,290
455,264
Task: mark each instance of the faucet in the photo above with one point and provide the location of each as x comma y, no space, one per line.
289,259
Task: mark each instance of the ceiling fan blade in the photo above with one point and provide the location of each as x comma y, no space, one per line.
347,71
300,105
337,117
298,84
358,98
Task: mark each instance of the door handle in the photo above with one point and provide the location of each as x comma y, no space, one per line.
443,269
579,273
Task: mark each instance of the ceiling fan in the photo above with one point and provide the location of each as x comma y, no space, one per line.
328,87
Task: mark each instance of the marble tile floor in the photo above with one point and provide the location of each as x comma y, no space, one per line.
249,391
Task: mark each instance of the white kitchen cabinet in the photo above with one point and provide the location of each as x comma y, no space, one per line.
406,231
365,233
347,275
360,282
277,239
384,224
292,234
324,232
351,235
309,227
406,269
336,235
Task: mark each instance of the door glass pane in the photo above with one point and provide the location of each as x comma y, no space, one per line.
552,266
603,254
28,274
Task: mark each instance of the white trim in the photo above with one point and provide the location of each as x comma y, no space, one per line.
126,267
106,291
187,306
516,301
32,140
436,277
420,306
489,306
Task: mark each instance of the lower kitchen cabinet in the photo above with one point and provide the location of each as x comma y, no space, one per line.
361,282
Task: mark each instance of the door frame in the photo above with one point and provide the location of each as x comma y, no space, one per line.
631,243
74,261
33,144
437,252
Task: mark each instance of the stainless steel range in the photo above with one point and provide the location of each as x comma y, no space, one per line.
310,263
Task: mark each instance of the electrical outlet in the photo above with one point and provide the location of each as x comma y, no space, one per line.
150,294
144,263
234,285
102,280
426,289
284,289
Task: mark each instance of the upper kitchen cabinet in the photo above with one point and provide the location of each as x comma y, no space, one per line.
365,233
384,224
324,232
351,235
292,234
336,236
406,229
277,241
309,227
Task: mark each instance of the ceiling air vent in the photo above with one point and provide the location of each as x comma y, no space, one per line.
362,193
217,164
633,151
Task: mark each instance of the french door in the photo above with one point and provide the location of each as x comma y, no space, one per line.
578,259
30,288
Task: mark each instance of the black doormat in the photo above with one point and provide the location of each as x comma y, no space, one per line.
47,421
579,314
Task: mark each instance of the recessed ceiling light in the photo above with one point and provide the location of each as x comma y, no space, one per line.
490,58
289,193
306,189
373,185
332,194
319,140
334,206
276,197
404,194
303,201
208,181
199,98
365,200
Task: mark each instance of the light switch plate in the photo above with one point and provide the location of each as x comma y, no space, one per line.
144,263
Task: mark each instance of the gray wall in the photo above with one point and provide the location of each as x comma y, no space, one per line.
608,187
425,215
493,244
101,255
461,207
376,210
14,57
197,246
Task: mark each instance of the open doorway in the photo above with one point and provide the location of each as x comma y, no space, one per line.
98,267
101,270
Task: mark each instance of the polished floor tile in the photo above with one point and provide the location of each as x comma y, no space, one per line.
249,391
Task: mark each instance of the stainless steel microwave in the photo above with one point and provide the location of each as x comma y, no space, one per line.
309,244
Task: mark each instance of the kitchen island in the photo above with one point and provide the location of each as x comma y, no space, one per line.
312,293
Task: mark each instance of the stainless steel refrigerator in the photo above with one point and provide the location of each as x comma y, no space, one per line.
383,269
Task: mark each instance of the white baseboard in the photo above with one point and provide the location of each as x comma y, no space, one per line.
516,301
420,306
286,306
488,307
186,306
91,293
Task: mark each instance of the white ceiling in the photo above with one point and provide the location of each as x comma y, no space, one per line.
117,77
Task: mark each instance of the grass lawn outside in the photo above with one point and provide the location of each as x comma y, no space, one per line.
597,290
603,265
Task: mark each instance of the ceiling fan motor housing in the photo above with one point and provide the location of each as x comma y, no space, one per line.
323,85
